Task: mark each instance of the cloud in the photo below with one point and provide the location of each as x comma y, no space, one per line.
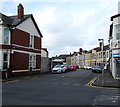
64,30
69,25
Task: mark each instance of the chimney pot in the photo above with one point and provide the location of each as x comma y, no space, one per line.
20,11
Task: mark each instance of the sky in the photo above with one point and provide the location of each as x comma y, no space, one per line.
67,25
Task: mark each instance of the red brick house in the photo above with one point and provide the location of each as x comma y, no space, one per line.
20,44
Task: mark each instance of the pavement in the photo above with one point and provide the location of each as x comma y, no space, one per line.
107,80
24,77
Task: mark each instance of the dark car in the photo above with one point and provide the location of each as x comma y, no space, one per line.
97,69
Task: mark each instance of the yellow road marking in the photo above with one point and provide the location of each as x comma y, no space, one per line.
90,84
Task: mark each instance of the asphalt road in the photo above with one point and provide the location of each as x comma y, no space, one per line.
58,89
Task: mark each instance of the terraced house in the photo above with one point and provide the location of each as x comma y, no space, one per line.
92,57
20,44
114,40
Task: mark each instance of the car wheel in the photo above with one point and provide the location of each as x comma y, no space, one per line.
60,72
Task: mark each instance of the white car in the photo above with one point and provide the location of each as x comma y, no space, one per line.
87,67
58,69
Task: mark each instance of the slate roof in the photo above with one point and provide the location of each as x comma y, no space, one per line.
6,20
13,21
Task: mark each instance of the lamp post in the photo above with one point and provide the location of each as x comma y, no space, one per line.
102,41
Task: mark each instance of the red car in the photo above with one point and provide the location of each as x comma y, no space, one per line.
77,67
72,68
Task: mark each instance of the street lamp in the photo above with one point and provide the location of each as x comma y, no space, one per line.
102,41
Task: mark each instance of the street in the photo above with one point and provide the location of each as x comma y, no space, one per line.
58,89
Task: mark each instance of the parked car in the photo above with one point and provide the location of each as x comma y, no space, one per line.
58,69
88,67
77,67
85,66
72,68
66,68
97,69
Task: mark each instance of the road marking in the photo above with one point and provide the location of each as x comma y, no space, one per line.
90,84
12,81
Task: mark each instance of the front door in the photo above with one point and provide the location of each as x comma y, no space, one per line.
118,67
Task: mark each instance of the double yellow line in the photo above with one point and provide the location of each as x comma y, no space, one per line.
90,84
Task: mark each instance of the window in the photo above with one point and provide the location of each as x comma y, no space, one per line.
6,36
118,32
104,54
31,41
107,54
5,61
32,60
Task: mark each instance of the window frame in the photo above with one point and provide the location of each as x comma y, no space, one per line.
5,61
32,60
6,36
117,33
31,41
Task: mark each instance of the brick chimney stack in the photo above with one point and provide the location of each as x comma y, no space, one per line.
80,50
20,11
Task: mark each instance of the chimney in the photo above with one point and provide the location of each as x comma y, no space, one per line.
20,11
80,50
100,45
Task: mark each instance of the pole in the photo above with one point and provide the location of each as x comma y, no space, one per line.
102,62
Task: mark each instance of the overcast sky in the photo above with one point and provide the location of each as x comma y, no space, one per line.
67,25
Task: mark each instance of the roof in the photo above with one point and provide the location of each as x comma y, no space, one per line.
45,49
6,20
115,16
13,21
99,49
106,47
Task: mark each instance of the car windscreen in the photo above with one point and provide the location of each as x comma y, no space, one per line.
57,66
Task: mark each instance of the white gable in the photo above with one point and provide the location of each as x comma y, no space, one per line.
28,26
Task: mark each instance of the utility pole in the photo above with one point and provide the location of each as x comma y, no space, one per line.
102,49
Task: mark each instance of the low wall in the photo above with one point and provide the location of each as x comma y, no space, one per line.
45,65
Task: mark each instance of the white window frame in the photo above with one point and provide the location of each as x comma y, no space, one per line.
117,31
32,60
6,37
5,61
31,41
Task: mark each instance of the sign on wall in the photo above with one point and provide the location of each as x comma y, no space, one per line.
116,52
